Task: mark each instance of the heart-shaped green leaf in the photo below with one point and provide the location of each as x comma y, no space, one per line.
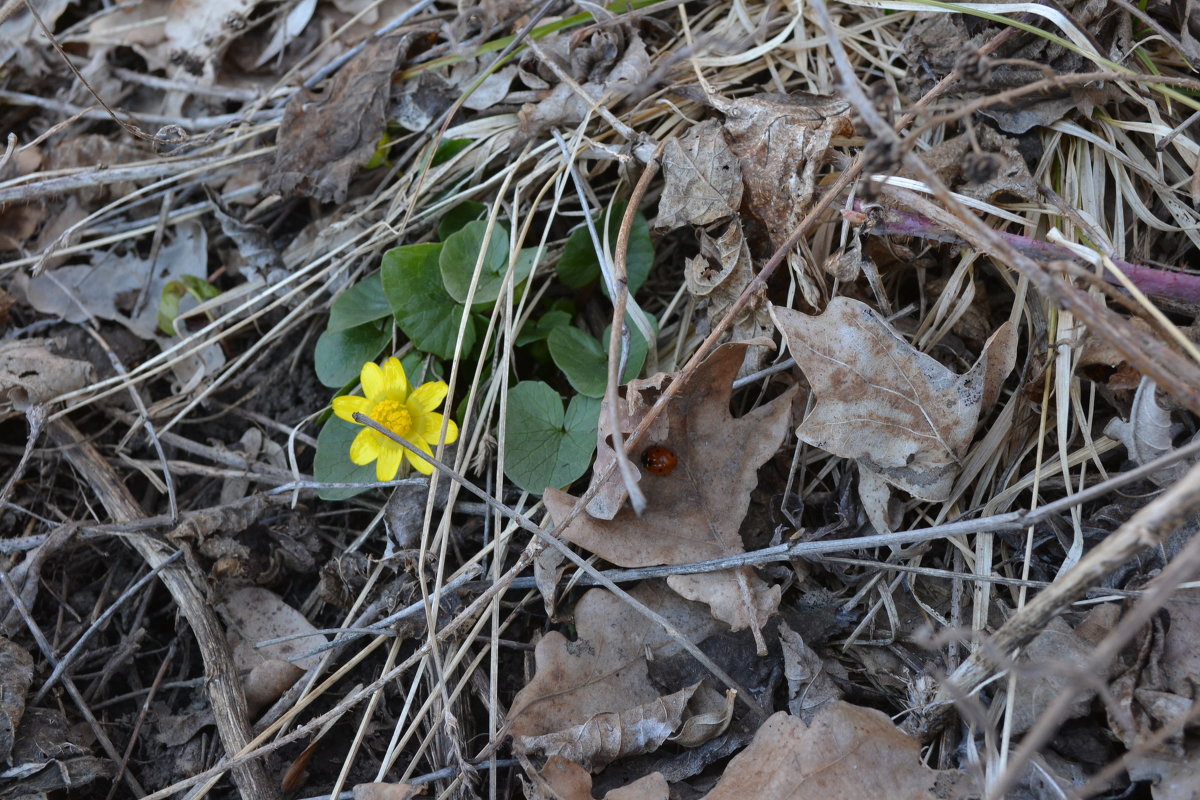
585,361
340,355
412,284
543,446
363,302
332,463
579,266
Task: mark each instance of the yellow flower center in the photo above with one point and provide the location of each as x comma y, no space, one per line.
393,414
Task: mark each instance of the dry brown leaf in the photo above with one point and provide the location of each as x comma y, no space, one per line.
723,591
694,512
267,682
197,31
702,181
810,687
16,676
561,779
591,700
952,160
636,399
1148,434
604,77
846,752
898,412
711,714
610,735
1049,666
51,756
120,286
934,44
781,141
385,791
324,139
254,614
718,275
30,375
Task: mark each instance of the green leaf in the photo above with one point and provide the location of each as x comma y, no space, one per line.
448,149
585,361
174,292
539,330
461,251
459,216
543,446
362,302
412,284
382,150
332,463
579,266
340,355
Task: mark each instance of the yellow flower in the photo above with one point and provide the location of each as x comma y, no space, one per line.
407,412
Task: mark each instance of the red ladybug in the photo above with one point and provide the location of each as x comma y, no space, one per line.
659,460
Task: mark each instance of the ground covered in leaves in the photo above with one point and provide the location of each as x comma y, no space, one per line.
821,383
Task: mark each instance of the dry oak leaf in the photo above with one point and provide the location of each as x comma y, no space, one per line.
591,700
694,511
702,181
846,752
324,139
561,779
897,411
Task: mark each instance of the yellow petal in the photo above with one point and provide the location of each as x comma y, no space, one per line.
431,428
372,381
346,405
389,463
419,464
365,447
427,397
396,380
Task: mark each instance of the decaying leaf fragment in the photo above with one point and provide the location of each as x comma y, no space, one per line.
30,375
324,139
695,510
1148,434
592,700
605,69
717,276
847,751
899,413
198,30
16,675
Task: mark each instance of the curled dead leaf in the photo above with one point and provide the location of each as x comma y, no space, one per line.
31,375
561,779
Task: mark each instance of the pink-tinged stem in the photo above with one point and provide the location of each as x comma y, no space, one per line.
889,222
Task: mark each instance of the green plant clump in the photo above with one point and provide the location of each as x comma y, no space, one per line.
439,297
